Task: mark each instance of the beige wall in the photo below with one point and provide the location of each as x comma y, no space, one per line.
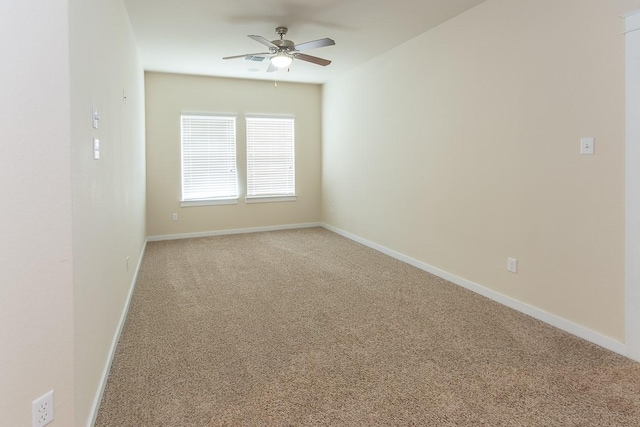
168,95
68,221
108,194
626,6
460,148
36,304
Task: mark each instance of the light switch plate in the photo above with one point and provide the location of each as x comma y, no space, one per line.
96,149
95,116
587,145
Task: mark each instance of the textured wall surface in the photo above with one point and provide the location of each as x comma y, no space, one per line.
460,148
36,288
108,194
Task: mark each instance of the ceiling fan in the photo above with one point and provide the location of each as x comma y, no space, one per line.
284,51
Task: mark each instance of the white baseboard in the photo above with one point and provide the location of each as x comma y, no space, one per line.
537,313
232,231
114,344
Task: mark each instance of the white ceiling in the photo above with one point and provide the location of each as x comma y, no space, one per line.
192,36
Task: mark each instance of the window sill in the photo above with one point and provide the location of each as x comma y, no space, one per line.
211,202
271,199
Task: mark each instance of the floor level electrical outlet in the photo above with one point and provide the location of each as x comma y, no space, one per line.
42,410
512,265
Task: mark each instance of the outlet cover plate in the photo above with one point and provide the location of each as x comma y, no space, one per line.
42,410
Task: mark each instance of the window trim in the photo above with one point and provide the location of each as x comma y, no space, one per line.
208,202
270,199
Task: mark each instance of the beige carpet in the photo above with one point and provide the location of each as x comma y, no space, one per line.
306,328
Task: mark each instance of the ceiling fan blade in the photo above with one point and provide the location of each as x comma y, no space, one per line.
314,44
313,59
247,54
271,68
264,41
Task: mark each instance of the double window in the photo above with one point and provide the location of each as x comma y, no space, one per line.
209,172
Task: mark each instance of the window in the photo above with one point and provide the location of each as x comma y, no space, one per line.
209,174
270,159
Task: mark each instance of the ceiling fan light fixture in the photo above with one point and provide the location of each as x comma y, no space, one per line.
281,60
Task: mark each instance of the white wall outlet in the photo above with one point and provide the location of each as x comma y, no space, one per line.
127,263
174,217
512,265
96,149
42,410
587,145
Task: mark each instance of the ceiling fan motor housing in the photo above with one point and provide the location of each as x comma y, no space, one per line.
284,45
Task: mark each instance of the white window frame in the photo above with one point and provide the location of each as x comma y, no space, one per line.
255,195
228,149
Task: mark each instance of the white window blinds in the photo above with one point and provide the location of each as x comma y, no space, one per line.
270,157
208,157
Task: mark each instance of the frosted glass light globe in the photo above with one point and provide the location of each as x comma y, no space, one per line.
281,60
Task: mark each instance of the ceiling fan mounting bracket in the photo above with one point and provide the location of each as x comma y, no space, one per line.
281,31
